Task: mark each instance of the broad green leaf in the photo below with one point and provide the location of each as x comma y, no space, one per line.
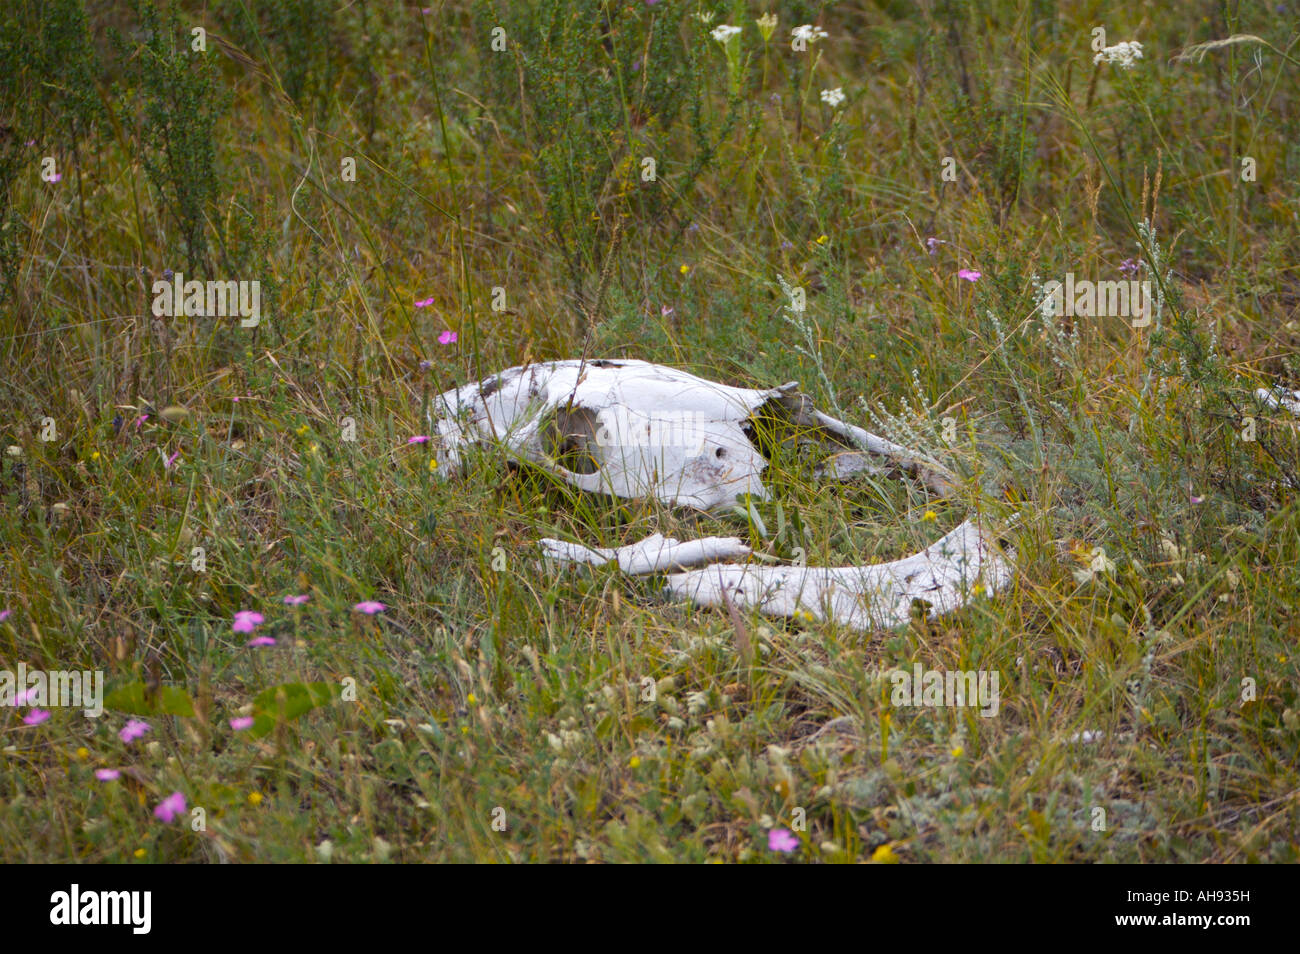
170,700
287,702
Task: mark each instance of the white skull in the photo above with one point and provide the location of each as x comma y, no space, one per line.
635,429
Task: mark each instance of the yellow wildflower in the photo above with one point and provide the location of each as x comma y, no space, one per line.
884,855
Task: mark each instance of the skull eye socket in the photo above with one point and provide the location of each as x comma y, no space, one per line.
570,439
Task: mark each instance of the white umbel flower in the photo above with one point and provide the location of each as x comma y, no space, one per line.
724,33
1125,54
808,33
833,97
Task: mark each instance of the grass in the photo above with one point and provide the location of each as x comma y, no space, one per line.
498,710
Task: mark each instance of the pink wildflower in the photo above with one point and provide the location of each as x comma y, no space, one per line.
133,729
780,839
247,620
170,807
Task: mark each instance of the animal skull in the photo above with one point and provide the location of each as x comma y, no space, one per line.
634,429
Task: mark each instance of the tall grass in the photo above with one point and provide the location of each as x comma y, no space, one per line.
159,475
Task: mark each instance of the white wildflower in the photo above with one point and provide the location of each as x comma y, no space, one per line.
833,97
724,33
1124,54
808,33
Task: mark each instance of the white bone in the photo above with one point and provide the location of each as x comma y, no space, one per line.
634,429
874,596
648,430
654,554
1280,397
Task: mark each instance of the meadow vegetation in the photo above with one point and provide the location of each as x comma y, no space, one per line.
428,195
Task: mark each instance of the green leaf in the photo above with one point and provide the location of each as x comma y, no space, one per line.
285,703
170,700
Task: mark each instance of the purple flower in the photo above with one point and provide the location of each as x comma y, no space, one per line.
21,698
296,600
969,274
933,244
240,723
780,839
133,729
665,311
424,303
4,615
418,439
107,775
170,807
1130,266
247,620
58,176
370,607
426,365
35,717
261,641
139,421
171,460
447,337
